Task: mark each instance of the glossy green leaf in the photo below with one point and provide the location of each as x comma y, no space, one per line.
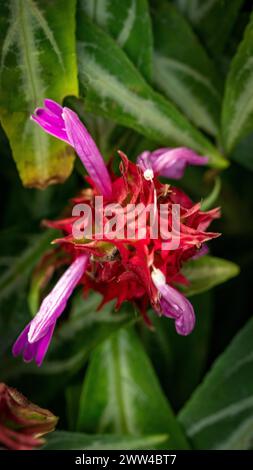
237,115
220,413
37,60
113,87
183,70
243,152
119,390
213,19
63,440
72,396
129,24
180,360
206,272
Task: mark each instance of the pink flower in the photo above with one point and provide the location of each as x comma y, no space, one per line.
169,162
64,124
174,305
34,340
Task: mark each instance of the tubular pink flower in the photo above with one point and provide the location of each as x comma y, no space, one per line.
35,338
64,124
170,163
174,304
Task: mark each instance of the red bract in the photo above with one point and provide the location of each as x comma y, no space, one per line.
21,422
121,269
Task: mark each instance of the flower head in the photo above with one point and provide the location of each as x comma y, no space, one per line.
129,267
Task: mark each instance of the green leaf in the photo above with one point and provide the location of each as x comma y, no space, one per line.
63,440
72,396
183,70
243,152
121,394
237,113
180,360
37,60
213,19
129,24
113,87
206,272
220,413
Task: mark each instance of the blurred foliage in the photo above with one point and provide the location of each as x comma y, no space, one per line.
149,74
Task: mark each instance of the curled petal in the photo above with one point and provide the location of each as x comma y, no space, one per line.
64,124
87,150
54,107
51,120
36,350
34,341
21,341
54,304
170,162
174,304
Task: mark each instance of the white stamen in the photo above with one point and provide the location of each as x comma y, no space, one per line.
148,174
158,277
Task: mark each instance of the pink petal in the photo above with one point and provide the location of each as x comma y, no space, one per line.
54,304
170,162
88,152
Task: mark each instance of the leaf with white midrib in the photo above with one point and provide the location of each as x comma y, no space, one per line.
219,415
129,24
168,80
76,441
184,72
118,391
127,99
237,115
29,45
212,19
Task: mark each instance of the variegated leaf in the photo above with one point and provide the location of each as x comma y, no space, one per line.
213,19
64,440
219,416
37,60
237,116
183,70
119,390
113,87
129,23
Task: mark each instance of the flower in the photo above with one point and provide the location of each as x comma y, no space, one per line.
64,124
21,422
169,162
135,268
174,304
34,340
